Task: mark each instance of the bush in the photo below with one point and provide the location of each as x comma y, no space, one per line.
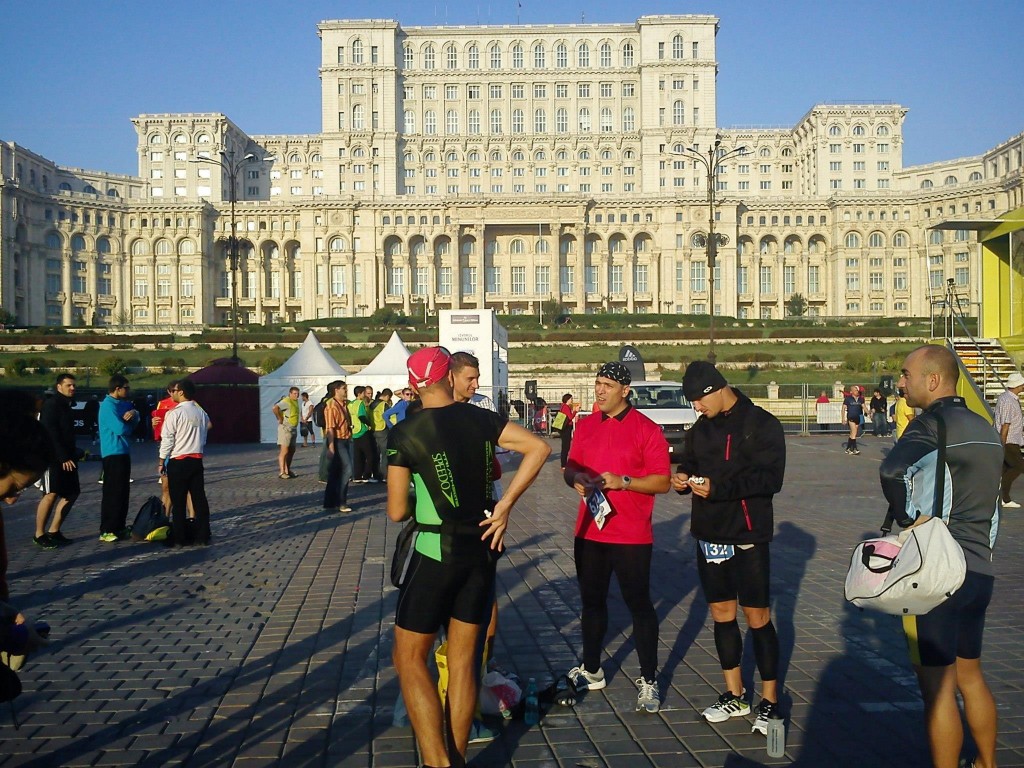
173,364
270,363
69,363
751,357
112,366
17,366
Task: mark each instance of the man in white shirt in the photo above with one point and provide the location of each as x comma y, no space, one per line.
306,420
182,443
1009,422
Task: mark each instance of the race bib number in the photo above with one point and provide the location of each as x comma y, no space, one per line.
717,553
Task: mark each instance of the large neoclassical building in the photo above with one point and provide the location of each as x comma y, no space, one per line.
500,167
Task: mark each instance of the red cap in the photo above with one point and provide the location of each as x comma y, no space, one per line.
427,366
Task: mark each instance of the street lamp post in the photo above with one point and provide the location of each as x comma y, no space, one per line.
711,162
233,167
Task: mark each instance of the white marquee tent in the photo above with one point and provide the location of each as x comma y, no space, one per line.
310,369
388,368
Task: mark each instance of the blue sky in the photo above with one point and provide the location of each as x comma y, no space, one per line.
76,72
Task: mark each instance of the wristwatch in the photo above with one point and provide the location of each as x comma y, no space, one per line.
626,480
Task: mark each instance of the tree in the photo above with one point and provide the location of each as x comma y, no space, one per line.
796,306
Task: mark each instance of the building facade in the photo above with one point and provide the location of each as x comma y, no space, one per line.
500,167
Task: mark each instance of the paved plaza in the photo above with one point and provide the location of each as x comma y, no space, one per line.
273,645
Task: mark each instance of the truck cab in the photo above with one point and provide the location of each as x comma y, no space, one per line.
663,403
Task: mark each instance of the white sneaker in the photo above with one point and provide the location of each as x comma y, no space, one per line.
587,681
649,698
1011,505
727,706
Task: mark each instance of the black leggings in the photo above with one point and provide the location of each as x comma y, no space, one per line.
631,564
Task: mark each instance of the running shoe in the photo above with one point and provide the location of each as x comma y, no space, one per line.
45,541
480,733
291,474
345,508
728,705
59,538
649,698
108,537
766,711
1011,505
855,451
587,681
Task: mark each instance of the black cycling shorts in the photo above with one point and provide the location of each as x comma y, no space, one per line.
743,577
435,592
953,629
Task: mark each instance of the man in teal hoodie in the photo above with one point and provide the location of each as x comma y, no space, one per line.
117,420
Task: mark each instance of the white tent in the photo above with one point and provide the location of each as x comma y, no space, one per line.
388,368
310,369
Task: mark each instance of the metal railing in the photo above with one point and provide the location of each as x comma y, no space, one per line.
952,321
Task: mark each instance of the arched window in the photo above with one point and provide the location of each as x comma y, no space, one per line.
163,247
358,117
935,237
89,189
606,54
294,157
451,123
473,56
787,151
516,247
628,119
882,130
541,246
517,56
429,57
186,248
540,121
77,243
53,241
927,184
495,121
976,176
156,138
583,55
430,122
140,248
876,240
409,120
518,156
540,155
495,56
103,245
858,130
899,240
950,181
407,56
452,157
627,54
452,57
518,121
584,120
561,56
496,156
852,240
561,120
337,244
678,112
584,155
357,51
539,56
677,47
203,138
474,121
606,120
835,130
629,154
763,152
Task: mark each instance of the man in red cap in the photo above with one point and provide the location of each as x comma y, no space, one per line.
446,450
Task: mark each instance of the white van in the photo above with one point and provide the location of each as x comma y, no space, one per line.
663,403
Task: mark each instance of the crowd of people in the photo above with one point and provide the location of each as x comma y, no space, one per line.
436,446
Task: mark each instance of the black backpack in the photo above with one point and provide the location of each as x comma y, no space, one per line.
318,414
151,524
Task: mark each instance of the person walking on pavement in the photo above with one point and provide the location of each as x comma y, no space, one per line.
60,482
879,414
380,431
945,644
621,454
569,410
446,449
733,461
1009,422
182,444
362,439
306,426
117,422
286,411
338,445
853,415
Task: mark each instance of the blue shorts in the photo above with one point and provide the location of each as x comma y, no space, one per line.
952,630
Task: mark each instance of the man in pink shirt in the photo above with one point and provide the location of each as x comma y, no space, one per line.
623,454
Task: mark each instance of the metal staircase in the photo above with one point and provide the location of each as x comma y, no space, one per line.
987,363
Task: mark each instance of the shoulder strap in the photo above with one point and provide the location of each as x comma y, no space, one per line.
940,475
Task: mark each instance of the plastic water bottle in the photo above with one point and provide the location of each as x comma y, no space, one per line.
532,714
776,737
